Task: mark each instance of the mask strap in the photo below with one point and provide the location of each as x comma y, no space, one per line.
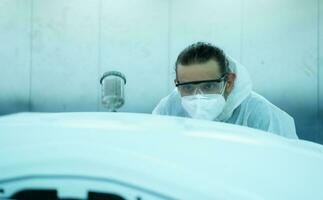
224,87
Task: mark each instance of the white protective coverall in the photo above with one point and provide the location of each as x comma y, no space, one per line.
243,107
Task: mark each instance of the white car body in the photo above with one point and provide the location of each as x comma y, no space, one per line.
141,156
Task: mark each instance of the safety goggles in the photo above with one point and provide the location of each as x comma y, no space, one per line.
214,86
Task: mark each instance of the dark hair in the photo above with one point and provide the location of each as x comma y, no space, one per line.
201,52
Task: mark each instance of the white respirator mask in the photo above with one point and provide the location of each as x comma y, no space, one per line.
204,106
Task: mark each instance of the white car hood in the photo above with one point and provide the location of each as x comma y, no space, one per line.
176,157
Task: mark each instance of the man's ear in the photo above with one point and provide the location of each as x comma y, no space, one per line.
231,77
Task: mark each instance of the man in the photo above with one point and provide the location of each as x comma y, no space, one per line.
211,86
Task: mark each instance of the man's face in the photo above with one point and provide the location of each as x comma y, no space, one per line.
209,70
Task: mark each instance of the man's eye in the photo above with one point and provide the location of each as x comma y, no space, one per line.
209,86
187,88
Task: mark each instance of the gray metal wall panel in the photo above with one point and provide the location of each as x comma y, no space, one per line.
320,87
14,55
280,51
65,48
